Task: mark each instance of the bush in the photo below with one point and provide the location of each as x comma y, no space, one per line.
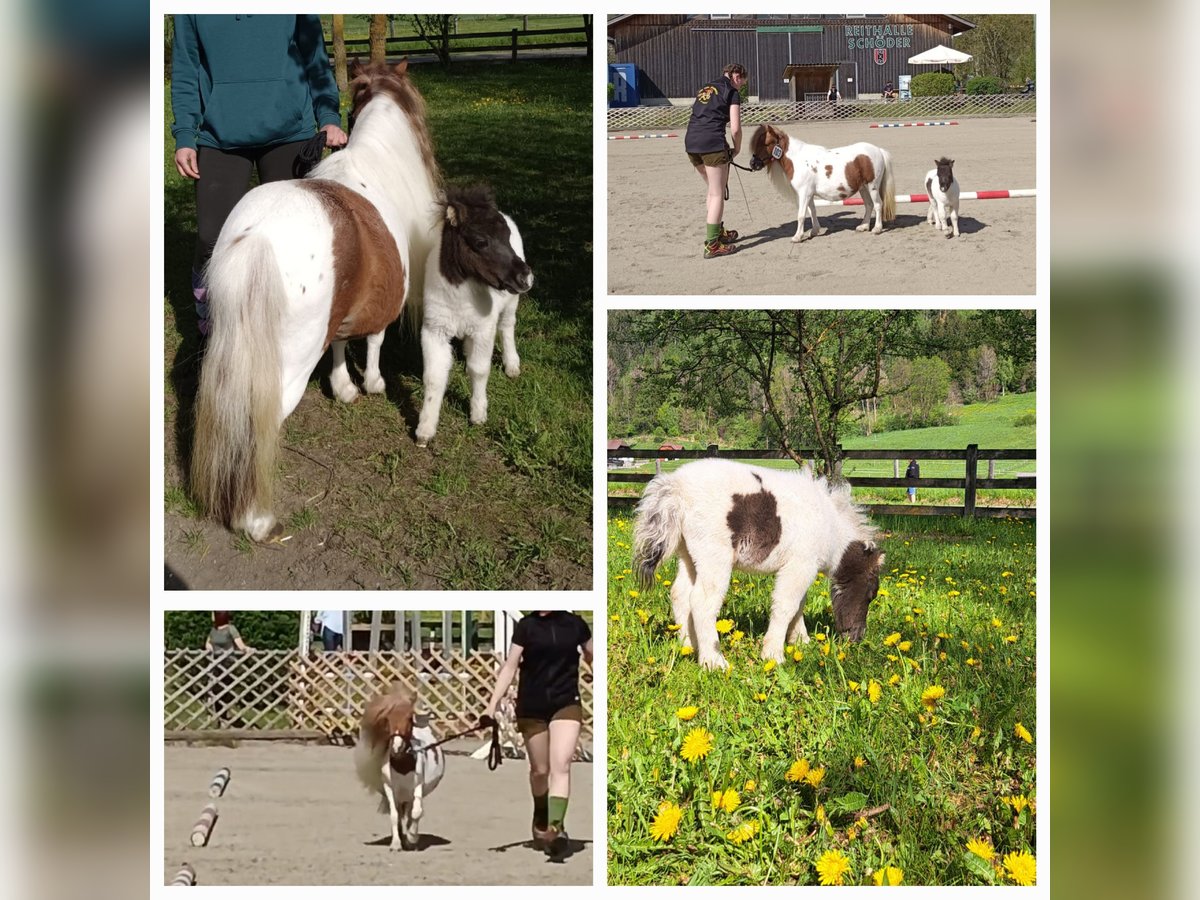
932,84
985,84
933,418
261,629
1027,419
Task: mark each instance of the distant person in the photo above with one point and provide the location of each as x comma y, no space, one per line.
833,93
912,472
1028,86
718,104
331,623
223,639
889,92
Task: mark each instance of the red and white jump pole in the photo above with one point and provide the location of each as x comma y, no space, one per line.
924,198
909,124
639,137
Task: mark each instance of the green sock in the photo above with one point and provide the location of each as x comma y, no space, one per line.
558,812
714,232
540,810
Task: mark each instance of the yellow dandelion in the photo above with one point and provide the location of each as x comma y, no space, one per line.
750,785
697,744
797,656
832,867
931,695
861,823
916,666
1010,639
904,646
768,665
859,762
727,800
892,657
634,594
814,776
1006,574
943,636
724,626
743,832
1023,733
996,623
952,593
666,822
614,618
892,639
841,655
1018,803
760,696
889,876
854,685
825,649
972,661
643,615
965,645
976,732
1021,867
687,713
819,637
981,848
651,659
798,770
894,680
736,637
918,611
666,584
673,627
883,592
686,651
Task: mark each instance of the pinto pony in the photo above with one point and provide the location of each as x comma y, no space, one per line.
394,758
717,515
803,172
943,191
303,265
475,275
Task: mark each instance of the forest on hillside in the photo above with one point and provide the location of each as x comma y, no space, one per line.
806,378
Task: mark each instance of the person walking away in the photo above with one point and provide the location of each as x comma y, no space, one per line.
545,650
245,92
717,105
913,471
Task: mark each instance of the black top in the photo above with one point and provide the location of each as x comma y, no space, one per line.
549,669
913,470
710,115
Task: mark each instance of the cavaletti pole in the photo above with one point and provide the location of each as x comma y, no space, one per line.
924,198
186,877
908,124
220,780
204,826
639,137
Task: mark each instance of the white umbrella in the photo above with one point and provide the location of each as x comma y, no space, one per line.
939,56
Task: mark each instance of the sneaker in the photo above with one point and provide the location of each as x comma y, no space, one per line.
716,248
557,841
539,836
727,237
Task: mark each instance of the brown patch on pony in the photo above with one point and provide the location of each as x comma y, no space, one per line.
843,191
859,171
853,585
829,171
368,274
388,714
373,79
755,527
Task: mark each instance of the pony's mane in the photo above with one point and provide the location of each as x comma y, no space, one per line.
460,205
944,161
398,700
378,78
840,495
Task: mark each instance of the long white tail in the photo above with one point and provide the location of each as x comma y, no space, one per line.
887,188
238,406
658,530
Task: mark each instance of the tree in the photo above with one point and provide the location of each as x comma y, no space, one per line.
435,31
378,38
918,392
1001,46
339,53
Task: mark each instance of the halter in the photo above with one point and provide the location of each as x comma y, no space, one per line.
756,163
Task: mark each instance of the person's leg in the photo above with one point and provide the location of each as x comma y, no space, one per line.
537,751
716,177
224,180
564,738
278,163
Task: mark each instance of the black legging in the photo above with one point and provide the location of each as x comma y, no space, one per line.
225,179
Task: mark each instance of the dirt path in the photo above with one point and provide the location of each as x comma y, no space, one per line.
295,814
656,220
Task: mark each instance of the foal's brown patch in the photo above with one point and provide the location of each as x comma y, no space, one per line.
829,171
859,171
368,274
755,527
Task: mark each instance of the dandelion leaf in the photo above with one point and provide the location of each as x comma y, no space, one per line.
847,803
979,867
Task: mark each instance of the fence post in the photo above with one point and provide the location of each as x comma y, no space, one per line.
991,468
514,45
896,467
658,466
969,492
710,450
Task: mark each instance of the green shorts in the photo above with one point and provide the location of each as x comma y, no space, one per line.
715,159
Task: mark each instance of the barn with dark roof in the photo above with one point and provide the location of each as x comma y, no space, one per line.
790,57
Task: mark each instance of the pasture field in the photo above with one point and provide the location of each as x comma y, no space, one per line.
991,425
358,27
296,814
848,763
506,505
656,219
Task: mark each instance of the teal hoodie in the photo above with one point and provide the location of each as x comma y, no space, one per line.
250,81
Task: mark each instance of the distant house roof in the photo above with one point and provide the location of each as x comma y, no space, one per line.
671,447
618,445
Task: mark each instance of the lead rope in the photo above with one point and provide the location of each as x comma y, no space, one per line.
495,756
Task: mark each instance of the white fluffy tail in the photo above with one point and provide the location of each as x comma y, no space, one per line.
887,188
238,405
658,530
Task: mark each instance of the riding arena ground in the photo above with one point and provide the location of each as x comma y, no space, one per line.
295,814
656,212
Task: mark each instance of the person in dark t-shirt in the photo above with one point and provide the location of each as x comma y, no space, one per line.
545,649
718,104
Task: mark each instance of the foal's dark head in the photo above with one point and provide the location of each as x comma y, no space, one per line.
475,242
945,169
852,587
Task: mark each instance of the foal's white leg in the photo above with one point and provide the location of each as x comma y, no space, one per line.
805,200
681,602
478,349
875,204
339,377
787,607
508,340
393,813
712,582
418,787
372,380
438,358
953,206
812,211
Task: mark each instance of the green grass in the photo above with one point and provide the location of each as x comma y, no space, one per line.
525,129
941,779
358,28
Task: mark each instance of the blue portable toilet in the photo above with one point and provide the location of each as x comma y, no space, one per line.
623,78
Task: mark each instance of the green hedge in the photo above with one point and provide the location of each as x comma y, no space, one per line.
932,84
985,84
263,630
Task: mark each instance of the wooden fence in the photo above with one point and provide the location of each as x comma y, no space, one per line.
398,46
286,695
970,483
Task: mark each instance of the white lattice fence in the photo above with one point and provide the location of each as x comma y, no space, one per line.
956,106
325,693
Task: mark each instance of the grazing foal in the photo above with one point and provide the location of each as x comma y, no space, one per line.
942,188
475,275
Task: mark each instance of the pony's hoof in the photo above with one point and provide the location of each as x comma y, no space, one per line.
478,420
863,227
877,230
377,386
715,662
422,442
512,371
396,847
797,238
346,393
